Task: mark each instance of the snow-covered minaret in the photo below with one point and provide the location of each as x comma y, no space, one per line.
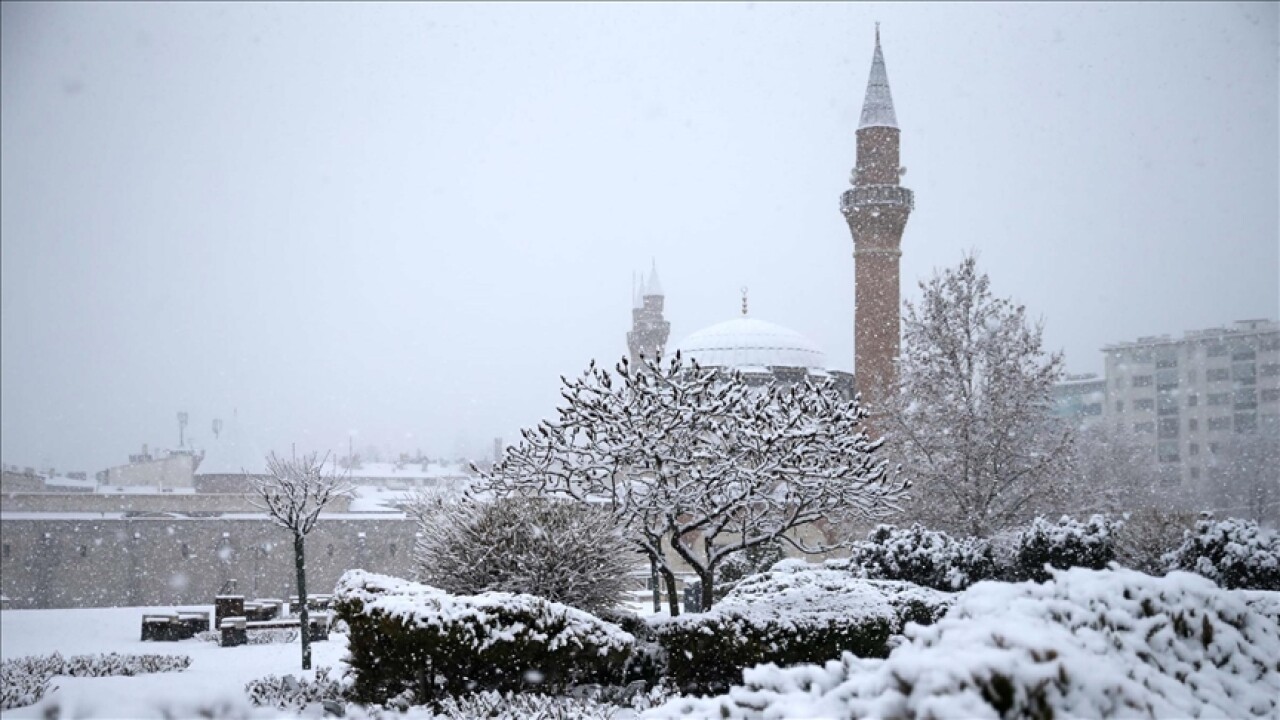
876,209
649,330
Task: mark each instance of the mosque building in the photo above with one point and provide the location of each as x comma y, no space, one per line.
876,209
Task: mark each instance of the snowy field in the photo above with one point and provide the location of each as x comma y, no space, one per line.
217,675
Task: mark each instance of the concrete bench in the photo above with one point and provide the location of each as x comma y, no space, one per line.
170,627
234,631
319,625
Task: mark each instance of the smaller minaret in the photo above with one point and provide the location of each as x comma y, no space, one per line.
649,331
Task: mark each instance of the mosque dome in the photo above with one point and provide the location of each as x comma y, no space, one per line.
749,343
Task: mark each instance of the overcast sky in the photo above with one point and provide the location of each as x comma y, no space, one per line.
404,222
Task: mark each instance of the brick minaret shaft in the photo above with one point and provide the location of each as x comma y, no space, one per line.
649,330
876,208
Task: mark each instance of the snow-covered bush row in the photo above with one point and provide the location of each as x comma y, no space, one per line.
25,680
290,692
1234,553
405,636
922,556
1065,544
1087,643
795,613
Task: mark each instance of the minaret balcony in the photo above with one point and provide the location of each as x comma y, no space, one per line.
877,197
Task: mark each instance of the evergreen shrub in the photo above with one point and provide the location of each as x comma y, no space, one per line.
792,614
406,637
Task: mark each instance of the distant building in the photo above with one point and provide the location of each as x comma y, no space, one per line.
1080,399
1187,397
649,330
166,470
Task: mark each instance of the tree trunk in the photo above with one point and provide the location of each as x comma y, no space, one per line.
708,586
299,557
653,579
673,597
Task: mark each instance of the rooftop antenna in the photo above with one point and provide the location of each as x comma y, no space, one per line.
744,301
217,427
182,429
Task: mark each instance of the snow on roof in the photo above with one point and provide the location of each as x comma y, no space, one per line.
877,108
60,481
408,470
746,342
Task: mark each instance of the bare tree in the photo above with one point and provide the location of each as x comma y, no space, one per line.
697,461
293,493
971,420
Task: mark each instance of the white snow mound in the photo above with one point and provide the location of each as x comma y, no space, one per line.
1110,643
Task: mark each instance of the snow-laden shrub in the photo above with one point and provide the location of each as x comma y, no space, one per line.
1065,544
25,680
1096,644
792,614
647,662
1234,553
754,560
289,692
567,552
923,557
405,636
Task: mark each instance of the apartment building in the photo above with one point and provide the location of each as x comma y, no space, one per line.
1188,398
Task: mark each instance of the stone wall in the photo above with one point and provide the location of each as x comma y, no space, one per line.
62,563
179,503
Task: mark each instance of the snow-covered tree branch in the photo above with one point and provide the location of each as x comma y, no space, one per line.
694,460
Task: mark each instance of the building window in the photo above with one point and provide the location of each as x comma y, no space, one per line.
1193,400
1245,399
1244,373
7,551
1147,427
1243,354
1144,404
329,549
1193,449
1168,428
1219,423
1216,350
1270,344
1217,375
1166,362
1270,396
1213,448
83,550
1119,406
1246,423
186,551
1219,398
1195,473
392,549
1270,370
1168,451
1142,381
1193,425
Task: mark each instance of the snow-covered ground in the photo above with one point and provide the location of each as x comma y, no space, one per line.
217,675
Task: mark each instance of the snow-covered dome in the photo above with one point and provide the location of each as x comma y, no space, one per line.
747,342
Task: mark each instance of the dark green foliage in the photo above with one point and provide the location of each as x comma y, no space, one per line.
1066,544
923,557
744,564
431,644
1234,553
708,652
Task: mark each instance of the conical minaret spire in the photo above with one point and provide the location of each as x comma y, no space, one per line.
877,208
877,107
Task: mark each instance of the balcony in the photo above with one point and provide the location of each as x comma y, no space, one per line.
877,196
